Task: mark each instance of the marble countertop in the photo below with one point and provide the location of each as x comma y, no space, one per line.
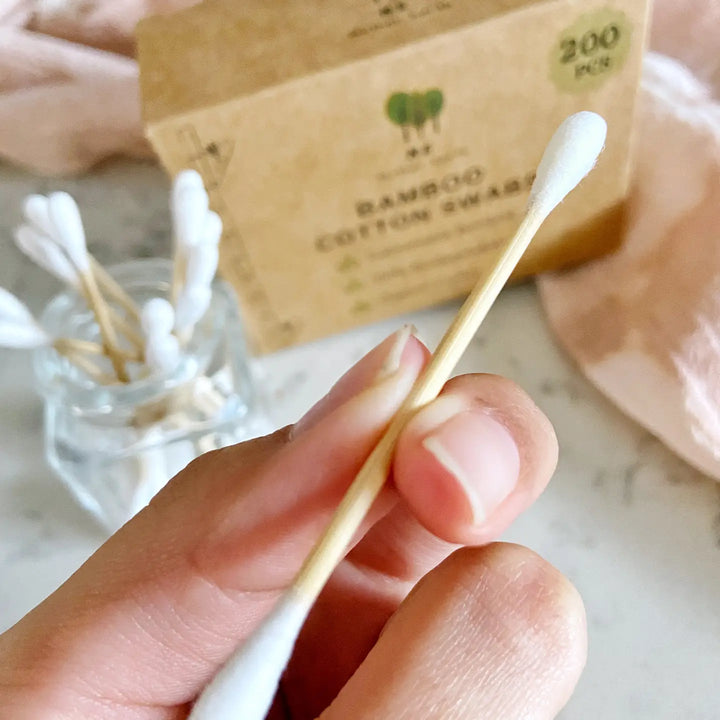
636,529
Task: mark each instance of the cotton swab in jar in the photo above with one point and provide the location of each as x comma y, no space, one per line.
202,264
18,327
37,214
195,293
43,251
246,685
70,234
162,349
57,218
46,253
189,208
21,331
191,305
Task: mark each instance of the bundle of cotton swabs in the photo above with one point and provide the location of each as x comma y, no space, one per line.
135,342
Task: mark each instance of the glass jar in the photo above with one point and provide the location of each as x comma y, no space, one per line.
116,445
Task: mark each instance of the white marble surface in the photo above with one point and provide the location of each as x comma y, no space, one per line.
636,529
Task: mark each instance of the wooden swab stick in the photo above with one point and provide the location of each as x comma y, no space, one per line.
79,360
107,331
245,686
65,216
88,347
128,330
114,290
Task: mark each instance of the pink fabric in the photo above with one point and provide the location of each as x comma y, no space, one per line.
644,323
688,31
68,83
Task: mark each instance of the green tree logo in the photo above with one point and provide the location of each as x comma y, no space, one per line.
413,110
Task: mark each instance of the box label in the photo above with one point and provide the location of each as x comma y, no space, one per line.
591,51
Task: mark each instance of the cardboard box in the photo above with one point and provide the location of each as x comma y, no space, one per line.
368,157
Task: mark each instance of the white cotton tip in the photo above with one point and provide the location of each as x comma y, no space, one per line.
13,310
191,305
570,155
22,336
44,252
247,683
189,208
185,179
162,353
162,349
69,231
213,228
157,318
37,213
18,327
202,265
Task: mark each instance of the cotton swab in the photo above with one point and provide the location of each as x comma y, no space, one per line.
202,265
35,210
46,253
191,305
246,685
189,208
65,217
37,214
212,229
193,298
162,349
196,293
20,330
18,327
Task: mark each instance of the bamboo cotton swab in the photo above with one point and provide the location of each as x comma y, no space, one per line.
20,330
36,211
46,253
244,688
65,216
189,207
162,348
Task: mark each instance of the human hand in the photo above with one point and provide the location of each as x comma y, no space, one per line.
488,631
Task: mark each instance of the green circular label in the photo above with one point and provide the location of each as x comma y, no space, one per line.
591,50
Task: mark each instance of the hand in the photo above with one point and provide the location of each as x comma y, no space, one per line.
488,631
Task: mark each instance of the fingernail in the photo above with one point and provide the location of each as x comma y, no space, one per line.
393,359
481,455
378,365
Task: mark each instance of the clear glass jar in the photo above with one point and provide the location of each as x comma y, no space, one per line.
115,446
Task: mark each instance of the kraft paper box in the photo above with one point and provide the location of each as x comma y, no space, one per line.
368,157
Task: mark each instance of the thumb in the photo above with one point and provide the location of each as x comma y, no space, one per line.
493,632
